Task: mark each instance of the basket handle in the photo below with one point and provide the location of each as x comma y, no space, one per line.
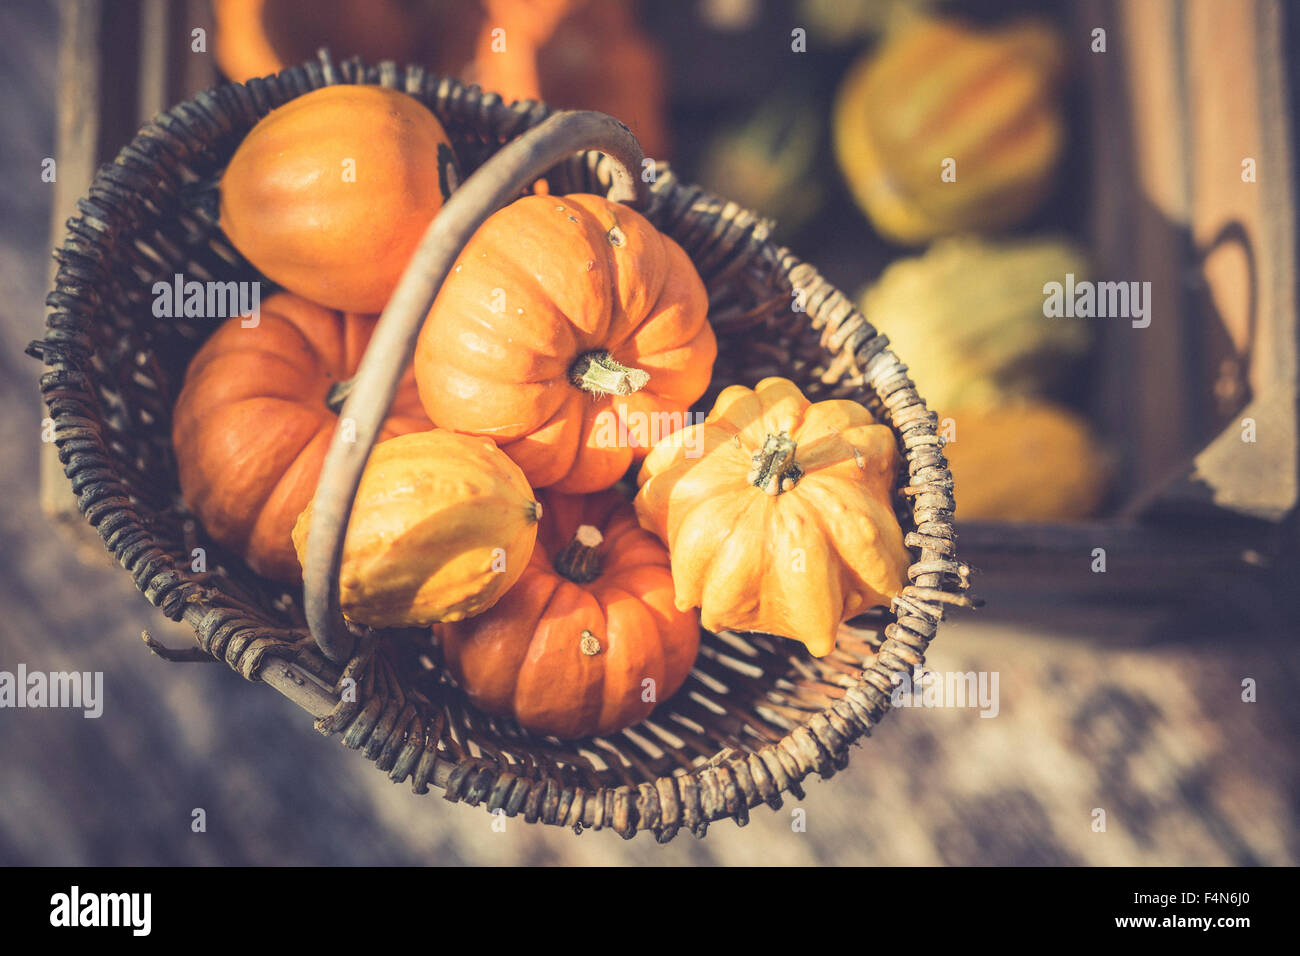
497,182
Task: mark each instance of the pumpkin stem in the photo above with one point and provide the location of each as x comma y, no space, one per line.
775,469
597,372
338,394
579,561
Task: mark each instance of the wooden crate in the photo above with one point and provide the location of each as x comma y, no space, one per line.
1185,93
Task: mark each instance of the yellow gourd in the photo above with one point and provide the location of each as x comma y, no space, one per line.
778,513
947,128
443,525
967,317
1025,461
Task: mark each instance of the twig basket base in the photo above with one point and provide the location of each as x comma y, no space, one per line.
757,715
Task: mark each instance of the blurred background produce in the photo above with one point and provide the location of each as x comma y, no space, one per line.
945,128
1025,460
584,54
967,317
767,160
1129,702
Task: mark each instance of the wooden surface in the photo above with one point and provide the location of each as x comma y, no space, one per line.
1185,93
1122,709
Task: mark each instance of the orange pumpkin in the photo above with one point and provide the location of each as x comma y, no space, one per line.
330,194
251,425
572,333
778,513
588,640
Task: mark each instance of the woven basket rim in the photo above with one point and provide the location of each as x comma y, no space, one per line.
388,729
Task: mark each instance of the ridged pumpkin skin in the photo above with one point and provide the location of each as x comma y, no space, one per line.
1026,460
251,425
545,284
778,516
940,90
569,658
442,526
329,195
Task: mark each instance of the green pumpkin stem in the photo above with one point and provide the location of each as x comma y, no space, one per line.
580,560
775,469
598,373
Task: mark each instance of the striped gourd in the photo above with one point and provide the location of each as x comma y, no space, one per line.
947,129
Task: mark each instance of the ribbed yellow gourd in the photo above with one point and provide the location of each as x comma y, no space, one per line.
443,525
947,128
778,513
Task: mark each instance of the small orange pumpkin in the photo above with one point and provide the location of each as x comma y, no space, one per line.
252,423
777,513
588,639
330,194
572,333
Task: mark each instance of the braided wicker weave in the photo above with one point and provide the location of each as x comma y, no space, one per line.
757,715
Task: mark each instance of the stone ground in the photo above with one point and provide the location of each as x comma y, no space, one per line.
1111,712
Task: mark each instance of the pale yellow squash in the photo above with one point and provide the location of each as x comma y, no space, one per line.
777,513
442,526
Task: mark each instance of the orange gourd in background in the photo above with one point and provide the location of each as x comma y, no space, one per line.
570,649
573,54
251,424
572,333
577,54
261,37
329,195
778,513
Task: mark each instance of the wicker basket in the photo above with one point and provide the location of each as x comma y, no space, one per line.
757,715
